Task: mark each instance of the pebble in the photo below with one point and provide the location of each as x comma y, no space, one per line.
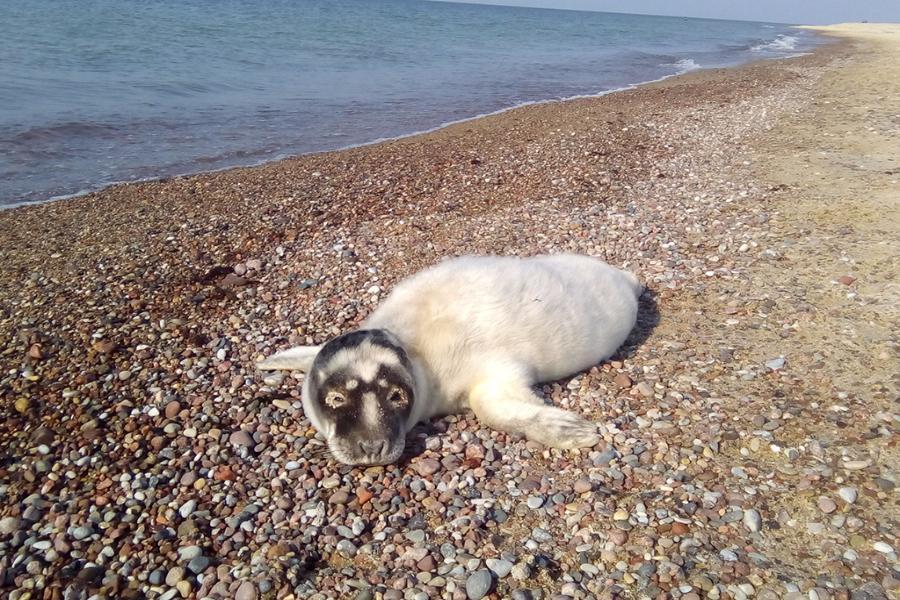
883,547
189,552
848,494
174,575
826,505
728,555
172,409
644,389
241,438
478,584
9,525
622,380
198,564
499,567
246,591
187,509
416,536
81,533
427,467
582,486
776,364
752,520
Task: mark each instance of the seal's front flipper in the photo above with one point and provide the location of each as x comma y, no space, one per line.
511,405
298,358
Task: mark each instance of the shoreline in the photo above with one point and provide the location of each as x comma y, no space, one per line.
283,157
749,436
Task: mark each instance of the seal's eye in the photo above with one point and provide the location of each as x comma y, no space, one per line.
335,400
397,397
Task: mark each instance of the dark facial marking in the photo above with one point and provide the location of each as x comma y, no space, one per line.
376,337
349,416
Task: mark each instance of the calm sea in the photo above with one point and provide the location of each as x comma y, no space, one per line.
99,91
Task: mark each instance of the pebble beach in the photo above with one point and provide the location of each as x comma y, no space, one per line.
749,425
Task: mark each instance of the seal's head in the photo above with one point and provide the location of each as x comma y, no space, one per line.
359,394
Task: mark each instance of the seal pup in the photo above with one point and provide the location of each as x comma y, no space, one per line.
471,332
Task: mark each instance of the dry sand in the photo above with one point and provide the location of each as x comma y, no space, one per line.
749,426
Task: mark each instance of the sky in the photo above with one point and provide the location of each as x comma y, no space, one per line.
809,12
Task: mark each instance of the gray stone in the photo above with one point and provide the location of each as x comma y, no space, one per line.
187,508
479,584
776,363
752,520
500,567
416,536
347,548
848,494
189,552
728,555
198,564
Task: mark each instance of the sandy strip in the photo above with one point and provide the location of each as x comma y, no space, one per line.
749,426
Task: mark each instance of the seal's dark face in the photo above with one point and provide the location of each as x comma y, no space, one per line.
360,394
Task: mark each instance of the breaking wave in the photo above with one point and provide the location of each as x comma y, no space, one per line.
783,43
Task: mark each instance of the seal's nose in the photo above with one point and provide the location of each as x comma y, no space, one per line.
373,447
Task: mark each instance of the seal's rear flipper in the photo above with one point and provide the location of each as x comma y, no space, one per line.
298,358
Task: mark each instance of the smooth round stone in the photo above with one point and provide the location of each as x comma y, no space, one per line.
815,528
172,409
187,509
541,535
427,467
826,505
535,502
416,536
883,547
752,520
500,567
848,494
156,577
9,525
247,591
347,548
478,584
241,438
198,564
174,575
189,552
358,527
582,486
80,533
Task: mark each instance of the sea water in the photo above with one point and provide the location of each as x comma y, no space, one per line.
100,91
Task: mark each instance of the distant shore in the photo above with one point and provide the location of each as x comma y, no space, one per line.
749,425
